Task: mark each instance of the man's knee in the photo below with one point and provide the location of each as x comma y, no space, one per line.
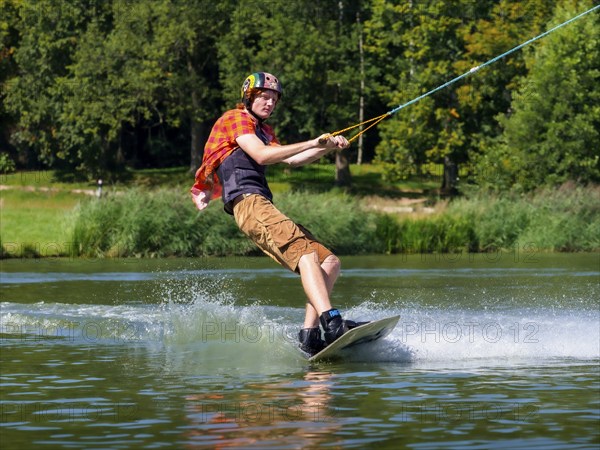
332,264
308,259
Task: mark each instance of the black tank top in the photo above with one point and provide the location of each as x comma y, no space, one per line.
240,174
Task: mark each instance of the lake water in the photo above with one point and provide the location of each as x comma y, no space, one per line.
491,351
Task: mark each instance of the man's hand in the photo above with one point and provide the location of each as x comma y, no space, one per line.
329,141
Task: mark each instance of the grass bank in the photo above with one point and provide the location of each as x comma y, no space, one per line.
38,208
153,217
164,223
36,223
560,220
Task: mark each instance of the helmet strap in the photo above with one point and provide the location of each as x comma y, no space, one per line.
260,121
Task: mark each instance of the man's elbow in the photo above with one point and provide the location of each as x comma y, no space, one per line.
266,160
261,160
293,163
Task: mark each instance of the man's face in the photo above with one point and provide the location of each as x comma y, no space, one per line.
264,103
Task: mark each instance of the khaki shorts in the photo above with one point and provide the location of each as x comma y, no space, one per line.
276,234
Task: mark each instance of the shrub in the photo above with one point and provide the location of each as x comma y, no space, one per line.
151,223
7,165
165,223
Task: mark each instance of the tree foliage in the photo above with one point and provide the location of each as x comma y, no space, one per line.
95,86
551,133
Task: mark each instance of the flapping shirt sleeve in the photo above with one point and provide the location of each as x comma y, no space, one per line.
220,144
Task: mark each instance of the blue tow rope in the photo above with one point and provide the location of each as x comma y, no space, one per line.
493,60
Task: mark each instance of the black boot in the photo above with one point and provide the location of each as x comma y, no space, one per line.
333,325
311,341
349,324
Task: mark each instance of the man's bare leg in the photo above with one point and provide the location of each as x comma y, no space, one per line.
329,272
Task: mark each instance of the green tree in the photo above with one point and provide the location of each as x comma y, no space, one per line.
552,134
418,46
48,33
489,92
100,94
185,44
102,84
313,49
414,45
9,38
154,70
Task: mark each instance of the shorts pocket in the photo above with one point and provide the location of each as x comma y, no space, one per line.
283,233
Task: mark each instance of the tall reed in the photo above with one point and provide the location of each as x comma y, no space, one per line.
152,223
563,219
165,223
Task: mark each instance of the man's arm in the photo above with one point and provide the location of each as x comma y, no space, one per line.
307,156
294,154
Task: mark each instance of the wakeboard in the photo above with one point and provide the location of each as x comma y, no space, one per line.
357,336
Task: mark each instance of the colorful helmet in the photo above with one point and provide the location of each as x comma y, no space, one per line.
261,80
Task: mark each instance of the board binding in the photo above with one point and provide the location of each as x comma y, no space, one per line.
362,334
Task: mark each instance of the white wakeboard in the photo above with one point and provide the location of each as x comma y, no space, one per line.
357,336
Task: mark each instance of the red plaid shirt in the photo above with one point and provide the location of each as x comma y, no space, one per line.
221,143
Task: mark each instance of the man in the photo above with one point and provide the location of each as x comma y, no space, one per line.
236,154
